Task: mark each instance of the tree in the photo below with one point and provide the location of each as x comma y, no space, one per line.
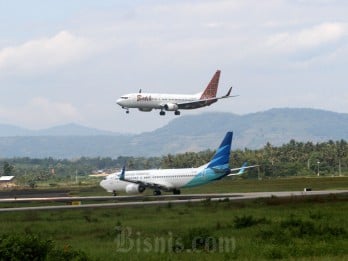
8,169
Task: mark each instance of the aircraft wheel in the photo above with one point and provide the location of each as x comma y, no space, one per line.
127,111
114,193
176,191
162,113
177,112
156,192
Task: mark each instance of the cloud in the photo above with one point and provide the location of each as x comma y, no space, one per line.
45,53
314,37
40,112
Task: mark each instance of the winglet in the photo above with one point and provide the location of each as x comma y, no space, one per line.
122,175
229,92
242,169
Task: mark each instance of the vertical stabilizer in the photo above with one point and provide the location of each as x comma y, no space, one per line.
211,90
123,172
222,154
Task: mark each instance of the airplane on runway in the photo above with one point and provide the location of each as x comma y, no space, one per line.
172,180
173,102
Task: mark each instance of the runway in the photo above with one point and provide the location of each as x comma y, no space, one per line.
133,201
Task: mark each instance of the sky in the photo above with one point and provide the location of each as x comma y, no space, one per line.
69,61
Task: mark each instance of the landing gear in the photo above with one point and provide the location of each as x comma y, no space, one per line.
177,112
162,113
114,193
176,191
156,192
127,110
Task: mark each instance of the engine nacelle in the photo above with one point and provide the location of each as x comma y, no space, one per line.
134,189
171,107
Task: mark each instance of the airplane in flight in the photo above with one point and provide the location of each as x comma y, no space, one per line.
173,102
172,180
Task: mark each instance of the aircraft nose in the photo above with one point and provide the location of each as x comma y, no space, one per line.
103,184
121,102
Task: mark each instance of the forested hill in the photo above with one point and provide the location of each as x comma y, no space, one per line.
185,133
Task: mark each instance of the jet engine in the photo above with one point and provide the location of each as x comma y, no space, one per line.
171,107
134,189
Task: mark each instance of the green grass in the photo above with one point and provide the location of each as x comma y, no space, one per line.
301,228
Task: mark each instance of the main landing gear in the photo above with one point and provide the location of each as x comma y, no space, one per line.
176,191
156,192
162,113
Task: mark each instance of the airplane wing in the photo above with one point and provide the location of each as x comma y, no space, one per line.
241,169
162,186
204,102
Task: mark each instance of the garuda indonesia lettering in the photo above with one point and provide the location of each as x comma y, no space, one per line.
173,102
172,180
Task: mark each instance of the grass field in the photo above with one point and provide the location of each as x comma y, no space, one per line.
276,228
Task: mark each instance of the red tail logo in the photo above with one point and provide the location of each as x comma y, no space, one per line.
211,90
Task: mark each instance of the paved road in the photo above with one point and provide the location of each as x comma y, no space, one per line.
159,200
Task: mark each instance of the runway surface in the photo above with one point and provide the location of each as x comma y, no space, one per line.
127,201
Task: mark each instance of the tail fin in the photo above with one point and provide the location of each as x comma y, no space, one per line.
122,175
211,90
222,155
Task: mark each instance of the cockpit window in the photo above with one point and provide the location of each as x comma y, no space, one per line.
124,97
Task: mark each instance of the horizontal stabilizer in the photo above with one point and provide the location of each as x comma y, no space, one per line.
242,169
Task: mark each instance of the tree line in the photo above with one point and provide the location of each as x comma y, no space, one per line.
293,158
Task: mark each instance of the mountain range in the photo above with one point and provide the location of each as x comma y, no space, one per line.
183,134
70,129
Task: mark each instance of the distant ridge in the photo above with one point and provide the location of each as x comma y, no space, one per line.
183,134
73,129
11,130
70,129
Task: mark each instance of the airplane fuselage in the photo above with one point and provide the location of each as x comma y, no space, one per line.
173,102
169,178
137,181
149,101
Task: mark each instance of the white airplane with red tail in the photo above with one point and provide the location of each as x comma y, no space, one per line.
173,102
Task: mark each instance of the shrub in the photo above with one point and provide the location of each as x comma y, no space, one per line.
27,247
33,247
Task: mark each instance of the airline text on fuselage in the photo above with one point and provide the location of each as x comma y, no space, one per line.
143,98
